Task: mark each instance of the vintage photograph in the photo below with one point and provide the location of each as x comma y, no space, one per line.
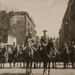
37,37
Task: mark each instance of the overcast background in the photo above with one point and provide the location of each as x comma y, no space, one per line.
47,14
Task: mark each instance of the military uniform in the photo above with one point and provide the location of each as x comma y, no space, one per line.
65,55
72,55
44,42
13,47
29,44
14,54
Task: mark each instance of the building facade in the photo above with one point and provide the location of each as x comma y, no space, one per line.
17,25
66,33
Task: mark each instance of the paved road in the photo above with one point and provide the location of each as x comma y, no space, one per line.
37,71
20,71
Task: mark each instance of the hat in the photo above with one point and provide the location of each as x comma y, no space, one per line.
30,32
44,30
51,39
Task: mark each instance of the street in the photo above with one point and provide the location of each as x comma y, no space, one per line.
37,72
22,71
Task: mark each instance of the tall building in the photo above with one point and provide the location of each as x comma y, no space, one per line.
66,33
18,25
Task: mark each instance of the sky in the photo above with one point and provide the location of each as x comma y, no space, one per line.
47,14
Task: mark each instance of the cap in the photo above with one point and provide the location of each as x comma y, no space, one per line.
51,39
44,30
30,32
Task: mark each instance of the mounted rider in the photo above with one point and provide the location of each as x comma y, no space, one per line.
65,55
30,48
50,45
22,46
44,39
14,49
21,55
21,51
37,54
52,51
14,54
30,42
44,43
72,54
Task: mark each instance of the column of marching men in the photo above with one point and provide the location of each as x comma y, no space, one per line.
38,50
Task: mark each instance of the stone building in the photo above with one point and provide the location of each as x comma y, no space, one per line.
16,25
67,31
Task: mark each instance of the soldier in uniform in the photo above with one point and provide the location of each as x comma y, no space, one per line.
44,42
3,55
30,47
13,47
44,38
21,54
29,40
72,54
65,55
14,54
37,54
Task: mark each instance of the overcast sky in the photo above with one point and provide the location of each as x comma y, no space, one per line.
47,14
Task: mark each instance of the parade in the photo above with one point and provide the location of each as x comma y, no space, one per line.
38,51
37,37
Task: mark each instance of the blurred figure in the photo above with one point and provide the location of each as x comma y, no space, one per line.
65,55
3,52
21,55
72,54
14,54
37,54
30,48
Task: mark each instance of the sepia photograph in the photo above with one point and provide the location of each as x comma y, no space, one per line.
37,37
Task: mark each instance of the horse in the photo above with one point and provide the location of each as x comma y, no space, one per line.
65,55
72,56
29,57
12,56
45,57
2,56
49,54
21,56
53,55
37,56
